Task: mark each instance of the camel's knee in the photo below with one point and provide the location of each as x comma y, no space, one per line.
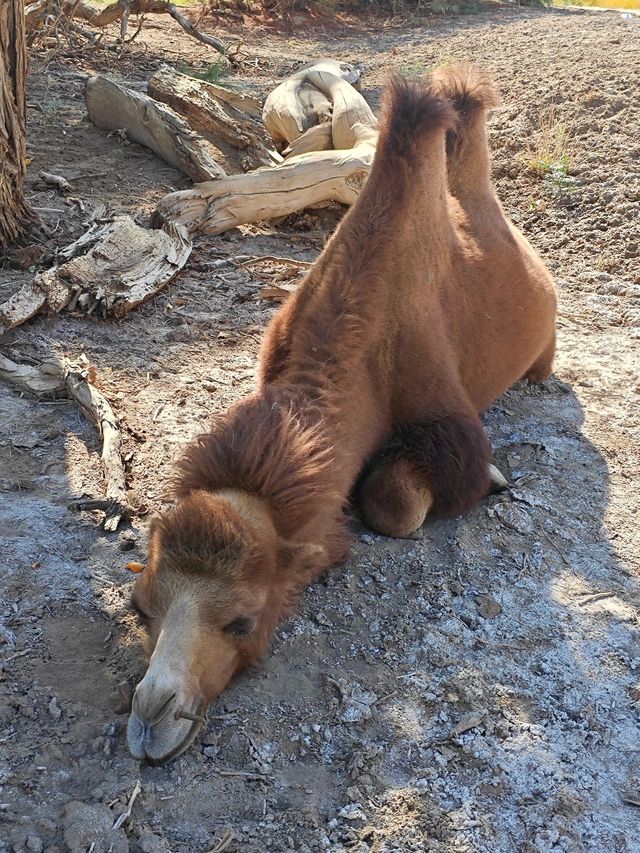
542,366
394,499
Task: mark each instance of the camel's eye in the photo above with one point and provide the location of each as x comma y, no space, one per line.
240,627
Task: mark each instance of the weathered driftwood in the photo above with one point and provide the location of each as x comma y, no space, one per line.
316,138
111,269
60,378
297,104
302,180
241,101
114,107
211,116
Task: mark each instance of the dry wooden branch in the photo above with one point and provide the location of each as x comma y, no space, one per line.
316,138
37,12
55,181
301,181
97,409
113,107
244,103
58,377
190,28
210,115
115,266
297,104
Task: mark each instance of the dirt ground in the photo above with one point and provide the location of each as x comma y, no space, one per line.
477,690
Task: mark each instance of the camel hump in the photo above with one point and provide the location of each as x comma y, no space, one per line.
413,114
468,88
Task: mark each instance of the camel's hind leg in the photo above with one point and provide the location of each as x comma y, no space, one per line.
542,366
442,466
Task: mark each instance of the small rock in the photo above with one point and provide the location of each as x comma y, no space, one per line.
35,844
353,812
357,704
488,607
151,843
515,517
90,827
54,709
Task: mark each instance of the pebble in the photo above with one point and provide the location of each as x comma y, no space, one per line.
91,827
54,709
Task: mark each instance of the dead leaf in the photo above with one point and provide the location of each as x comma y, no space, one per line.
274,292
470,721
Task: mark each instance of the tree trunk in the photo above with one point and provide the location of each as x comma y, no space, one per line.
14,210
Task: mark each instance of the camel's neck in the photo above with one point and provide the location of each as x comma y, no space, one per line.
277,446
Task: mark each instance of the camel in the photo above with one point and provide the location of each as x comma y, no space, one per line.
425,306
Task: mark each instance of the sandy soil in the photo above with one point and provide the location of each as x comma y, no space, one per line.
477,690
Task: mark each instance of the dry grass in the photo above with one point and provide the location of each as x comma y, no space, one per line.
548,152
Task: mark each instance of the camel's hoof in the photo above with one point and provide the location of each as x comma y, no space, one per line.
498,482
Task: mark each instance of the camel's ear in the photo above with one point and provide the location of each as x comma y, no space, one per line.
303,556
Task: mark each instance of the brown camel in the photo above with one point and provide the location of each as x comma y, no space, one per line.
425,306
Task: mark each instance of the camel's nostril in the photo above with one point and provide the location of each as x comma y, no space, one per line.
151,706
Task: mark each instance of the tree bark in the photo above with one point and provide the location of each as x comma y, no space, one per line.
14,210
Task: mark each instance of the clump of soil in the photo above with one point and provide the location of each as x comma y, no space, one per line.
476,690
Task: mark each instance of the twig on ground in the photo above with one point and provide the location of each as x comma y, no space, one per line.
55,181
127,814
255,777
97,409
597,596
58,377
224,842
275,259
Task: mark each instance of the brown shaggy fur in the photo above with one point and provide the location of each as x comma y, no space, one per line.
425,306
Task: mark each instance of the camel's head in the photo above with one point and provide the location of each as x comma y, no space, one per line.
218,579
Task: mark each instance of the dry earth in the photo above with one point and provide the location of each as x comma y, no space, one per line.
474,691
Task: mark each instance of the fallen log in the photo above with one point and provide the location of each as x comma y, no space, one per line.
211,116
155,125
115,266
57,377
302,180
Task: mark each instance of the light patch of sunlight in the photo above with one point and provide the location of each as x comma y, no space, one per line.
405,719
600,4
569,591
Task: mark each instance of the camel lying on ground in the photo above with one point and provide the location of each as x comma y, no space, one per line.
424,306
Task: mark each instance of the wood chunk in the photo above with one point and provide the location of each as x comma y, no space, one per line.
211,116
299,182
155,125
297,104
